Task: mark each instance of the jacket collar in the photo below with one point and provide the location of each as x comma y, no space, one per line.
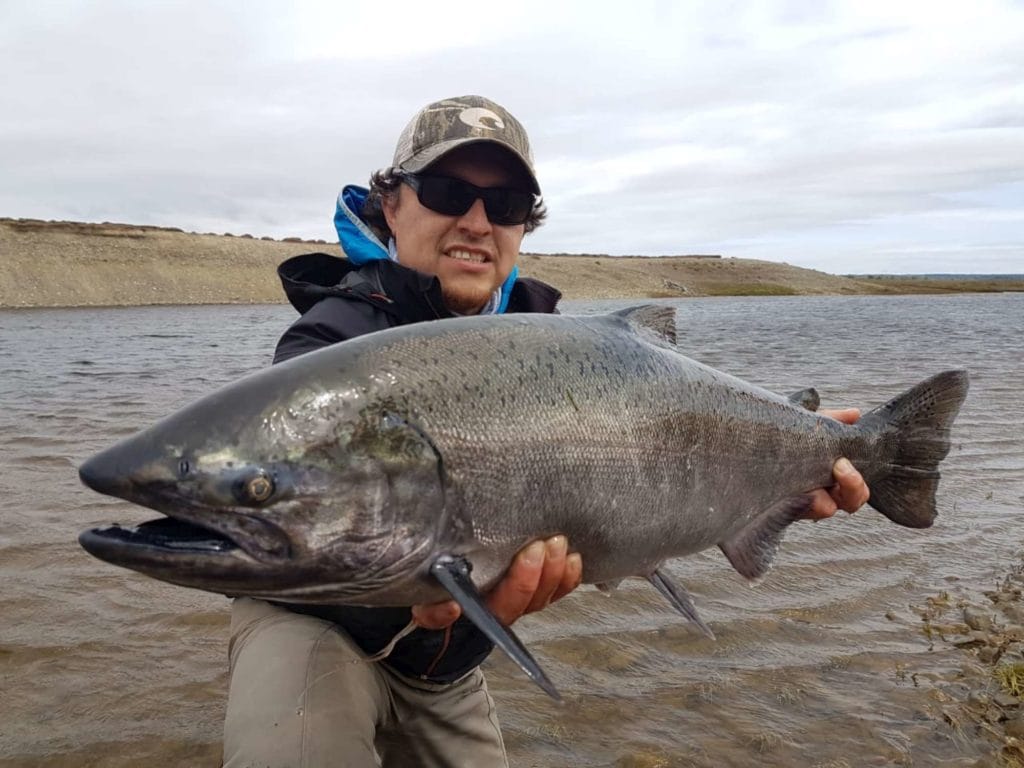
405,293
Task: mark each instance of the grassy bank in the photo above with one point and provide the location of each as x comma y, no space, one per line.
68,264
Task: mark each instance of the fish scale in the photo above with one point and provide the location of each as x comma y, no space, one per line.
601,414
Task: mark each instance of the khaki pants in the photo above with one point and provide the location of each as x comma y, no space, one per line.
301,696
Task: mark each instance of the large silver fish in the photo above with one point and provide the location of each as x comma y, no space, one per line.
411,465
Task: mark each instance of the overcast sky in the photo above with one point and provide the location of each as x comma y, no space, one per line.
853,136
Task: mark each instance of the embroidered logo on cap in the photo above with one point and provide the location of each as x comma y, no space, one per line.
478,117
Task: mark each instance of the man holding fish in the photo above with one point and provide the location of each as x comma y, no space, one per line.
436,235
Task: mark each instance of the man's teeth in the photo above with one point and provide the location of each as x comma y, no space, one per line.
467,256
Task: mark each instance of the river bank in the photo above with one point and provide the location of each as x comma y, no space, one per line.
75,264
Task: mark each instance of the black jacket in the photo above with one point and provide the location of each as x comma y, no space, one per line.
339,301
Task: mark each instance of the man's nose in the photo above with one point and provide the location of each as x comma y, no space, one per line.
475,219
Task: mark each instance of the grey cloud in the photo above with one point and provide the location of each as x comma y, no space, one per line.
206,120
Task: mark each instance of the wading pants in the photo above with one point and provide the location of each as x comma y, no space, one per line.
301,696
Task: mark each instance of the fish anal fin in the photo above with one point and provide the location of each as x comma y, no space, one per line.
453,573
656,319
752,549
680,599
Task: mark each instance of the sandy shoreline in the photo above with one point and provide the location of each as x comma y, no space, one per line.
73,264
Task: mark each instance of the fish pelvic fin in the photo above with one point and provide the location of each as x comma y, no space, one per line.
680,599
808,399
453,573
916,427
652,319
752,550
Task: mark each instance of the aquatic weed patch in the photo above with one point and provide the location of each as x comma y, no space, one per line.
1011,678
984,700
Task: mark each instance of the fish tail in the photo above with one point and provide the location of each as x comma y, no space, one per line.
913,430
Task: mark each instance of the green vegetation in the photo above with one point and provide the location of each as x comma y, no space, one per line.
899,284
1011,678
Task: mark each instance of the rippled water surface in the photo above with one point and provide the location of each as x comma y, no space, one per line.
822,662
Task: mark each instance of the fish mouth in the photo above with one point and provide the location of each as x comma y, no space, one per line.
185,532
166,534
193,555
190,555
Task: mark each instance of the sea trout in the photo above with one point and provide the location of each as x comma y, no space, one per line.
410,465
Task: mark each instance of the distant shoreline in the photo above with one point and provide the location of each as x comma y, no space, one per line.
77,264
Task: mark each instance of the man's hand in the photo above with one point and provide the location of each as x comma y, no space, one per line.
850,492
541,573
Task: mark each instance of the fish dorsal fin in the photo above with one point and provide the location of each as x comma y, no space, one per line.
806,398
657,319
752,549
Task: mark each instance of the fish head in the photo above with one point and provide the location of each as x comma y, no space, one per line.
314,494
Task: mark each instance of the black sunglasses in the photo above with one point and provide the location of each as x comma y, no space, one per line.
453,197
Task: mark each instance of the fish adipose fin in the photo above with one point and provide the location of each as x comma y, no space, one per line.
752,549
648,319
806,398
676,594
913,428
453,573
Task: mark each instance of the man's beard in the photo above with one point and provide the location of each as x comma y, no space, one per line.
465,303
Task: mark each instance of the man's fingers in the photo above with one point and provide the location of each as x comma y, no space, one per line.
850,491
571,578
822,507
541,573
436,615
845,415
514,592
552,574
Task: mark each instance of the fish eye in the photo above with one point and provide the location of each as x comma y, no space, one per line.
255,489
184,467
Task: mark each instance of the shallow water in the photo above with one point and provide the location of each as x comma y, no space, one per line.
823,662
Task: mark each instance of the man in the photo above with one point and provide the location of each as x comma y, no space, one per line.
436,235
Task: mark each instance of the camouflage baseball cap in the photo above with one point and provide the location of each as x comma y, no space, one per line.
440,127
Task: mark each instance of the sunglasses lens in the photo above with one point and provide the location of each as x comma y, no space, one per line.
444,195
508,206
453,197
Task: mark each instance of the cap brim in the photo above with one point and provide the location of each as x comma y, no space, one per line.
435,152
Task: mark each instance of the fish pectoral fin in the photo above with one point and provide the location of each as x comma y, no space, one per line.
752,549
453,573
808,399
680,599
608,586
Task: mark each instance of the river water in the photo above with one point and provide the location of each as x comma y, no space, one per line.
823,664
